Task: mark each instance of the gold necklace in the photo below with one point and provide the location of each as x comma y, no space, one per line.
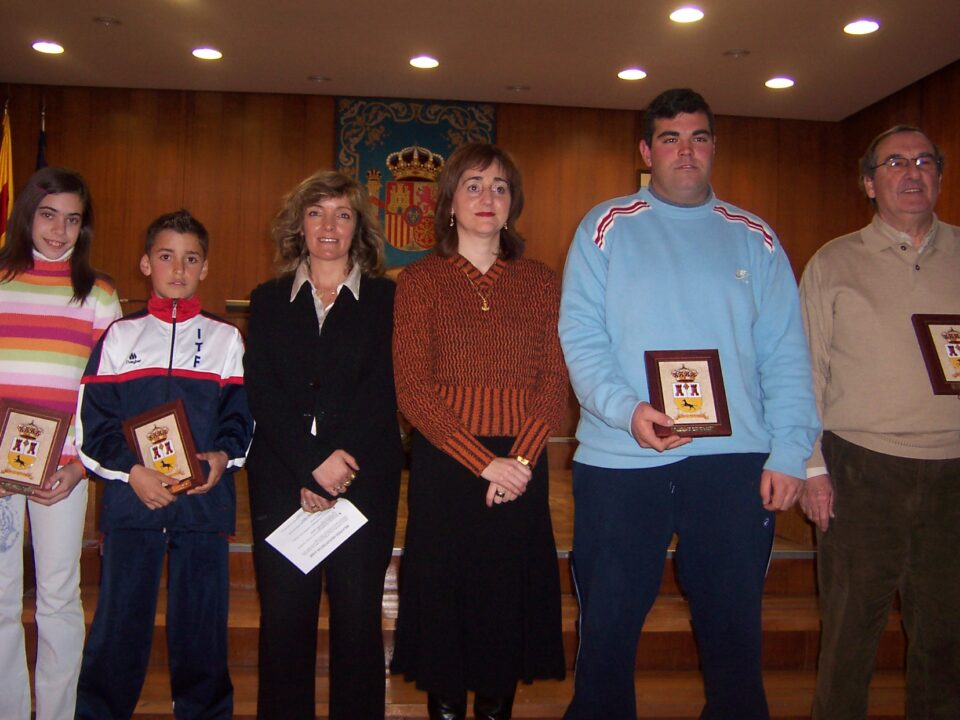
485,304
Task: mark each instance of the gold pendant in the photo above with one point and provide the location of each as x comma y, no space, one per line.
486,306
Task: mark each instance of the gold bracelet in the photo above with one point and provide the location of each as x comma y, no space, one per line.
522,460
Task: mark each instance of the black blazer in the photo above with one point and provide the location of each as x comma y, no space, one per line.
342,376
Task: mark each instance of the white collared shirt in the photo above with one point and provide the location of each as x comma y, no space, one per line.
302,275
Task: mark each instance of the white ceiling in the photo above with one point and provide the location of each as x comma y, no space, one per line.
566,51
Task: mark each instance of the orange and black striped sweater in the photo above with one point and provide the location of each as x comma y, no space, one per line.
462,372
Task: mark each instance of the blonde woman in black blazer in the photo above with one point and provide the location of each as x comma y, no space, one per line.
319,378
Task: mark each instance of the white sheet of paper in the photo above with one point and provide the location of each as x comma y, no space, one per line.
305,539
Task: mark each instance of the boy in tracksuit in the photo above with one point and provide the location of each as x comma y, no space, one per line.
171,350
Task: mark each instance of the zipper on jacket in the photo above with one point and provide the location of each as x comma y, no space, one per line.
173,343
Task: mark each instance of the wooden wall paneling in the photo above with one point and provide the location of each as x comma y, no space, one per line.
217,182
296,140
745,169
904,107
811,183
571,159
245,153
24,109
941,110
128,144
138,160
319,144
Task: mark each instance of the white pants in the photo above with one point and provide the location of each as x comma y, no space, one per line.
57,534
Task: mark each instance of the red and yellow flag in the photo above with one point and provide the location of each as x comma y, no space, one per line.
6,178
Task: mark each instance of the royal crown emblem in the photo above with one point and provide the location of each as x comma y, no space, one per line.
410,198
158,434
684,374
415,163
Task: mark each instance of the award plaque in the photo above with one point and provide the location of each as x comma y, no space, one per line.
939,337
687,385
31,440
162,440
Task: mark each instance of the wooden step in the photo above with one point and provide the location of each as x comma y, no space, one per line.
660,696
791,627
791,572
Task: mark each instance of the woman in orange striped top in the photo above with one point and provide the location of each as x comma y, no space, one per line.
53,308
480,375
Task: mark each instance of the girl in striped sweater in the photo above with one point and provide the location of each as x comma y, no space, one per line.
53,308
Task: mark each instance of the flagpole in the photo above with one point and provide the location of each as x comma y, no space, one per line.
6,173
42,139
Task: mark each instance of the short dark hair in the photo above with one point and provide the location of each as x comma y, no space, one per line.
366,246
17,253
868,163
478,156
670,103
181,222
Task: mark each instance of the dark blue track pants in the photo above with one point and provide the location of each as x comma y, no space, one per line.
117,650
624,522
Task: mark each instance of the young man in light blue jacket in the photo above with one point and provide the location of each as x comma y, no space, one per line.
673,268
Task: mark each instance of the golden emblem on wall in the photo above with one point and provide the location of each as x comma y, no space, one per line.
411,197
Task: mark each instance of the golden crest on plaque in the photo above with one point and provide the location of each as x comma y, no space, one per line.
952,348
162,452
686,390
24,449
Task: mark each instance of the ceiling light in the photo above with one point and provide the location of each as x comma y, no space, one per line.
318,78
631,74
424,62
517,88
686,15
861,27
45,46
106,21
779,83
736,53
207,53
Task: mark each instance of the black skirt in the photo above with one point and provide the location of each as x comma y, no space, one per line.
479,587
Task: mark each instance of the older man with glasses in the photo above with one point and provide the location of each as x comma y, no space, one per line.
883,488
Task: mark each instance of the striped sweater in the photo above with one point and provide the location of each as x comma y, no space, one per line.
462,372
45,339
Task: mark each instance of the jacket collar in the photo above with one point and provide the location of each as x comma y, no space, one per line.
162,308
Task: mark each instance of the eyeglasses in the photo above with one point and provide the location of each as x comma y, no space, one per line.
898,163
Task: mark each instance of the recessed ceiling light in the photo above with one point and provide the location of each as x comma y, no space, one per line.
631,74
517,88
862,26
424,62
318,78
687,15
779,83
207,53
736,53
107,21
50,48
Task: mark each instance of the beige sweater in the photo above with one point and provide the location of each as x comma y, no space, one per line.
858,293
